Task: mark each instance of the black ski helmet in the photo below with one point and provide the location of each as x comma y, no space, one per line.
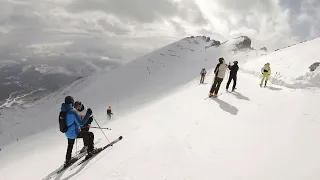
69,100
221,60
77,104
235,62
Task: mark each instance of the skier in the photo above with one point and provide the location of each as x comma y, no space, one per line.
79,107
266,71
233,75
203,75
73,122
109,113
219,72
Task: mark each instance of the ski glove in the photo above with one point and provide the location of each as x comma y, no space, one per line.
89,111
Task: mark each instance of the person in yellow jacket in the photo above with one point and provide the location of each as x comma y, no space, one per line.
266,71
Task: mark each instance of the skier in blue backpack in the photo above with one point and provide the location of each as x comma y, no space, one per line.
74,122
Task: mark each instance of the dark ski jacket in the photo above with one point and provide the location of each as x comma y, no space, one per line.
82,114
74,122
233,70
109,111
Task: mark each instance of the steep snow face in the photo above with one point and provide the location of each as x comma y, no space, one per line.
290,66
126,88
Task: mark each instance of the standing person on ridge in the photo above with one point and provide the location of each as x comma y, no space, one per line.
109,112
233,75
73,123
219,72
79,107
203,75
266,71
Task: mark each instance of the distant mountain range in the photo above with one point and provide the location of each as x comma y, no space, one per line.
24,81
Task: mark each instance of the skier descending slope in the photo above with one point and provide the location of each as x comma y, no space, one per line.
219,72
109,112
79,107
266,71
72,130
203,75
233,75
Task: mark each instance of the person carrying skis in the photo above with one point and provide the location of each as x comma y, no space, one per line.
74,122
203,75
109,113
219,72
233,75
266,71
79,107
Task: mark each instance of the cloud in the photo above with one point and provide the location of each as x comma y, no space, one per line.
145,11
123,30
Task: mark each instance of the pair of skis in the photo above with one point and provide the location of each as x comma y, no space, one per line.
97,151
212,97
81,155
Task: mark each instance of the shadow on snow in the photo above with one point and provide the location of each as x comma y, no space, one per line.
227,107
240,96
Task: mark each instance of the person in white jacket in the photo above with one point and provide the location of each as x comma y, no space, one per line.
220,72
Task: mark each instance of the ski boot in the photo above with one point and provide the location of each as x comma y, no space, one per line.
84,149
69,162
93,152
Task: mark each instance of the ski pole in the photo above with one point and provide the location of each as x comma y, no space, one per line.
76,147
101,129
0,125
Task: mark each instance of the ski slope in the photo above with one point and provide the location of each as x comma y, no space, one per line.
170,129
290,66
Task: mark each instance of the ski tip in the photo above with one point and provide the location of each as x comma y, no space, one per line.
120,137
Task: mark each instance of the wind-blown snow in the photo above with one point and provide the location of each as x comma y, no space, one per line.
170,131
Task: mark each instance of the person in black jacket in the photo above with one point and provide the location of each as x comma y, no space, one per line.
79,107
233,75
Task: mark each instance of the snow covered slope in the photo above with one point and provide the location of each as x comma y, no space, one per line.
290,66
170,130
150,77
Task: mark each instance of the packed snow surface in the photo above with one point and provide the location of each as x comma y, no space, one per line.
170,129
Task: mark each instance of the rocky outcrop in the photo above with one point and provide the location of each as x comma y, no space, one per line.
245,43
264,49
314,66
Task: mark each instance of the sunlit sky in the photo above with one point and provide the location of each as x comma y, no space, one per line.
126,29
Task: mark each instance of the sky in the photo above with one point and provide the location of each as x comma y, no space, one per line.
123,30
